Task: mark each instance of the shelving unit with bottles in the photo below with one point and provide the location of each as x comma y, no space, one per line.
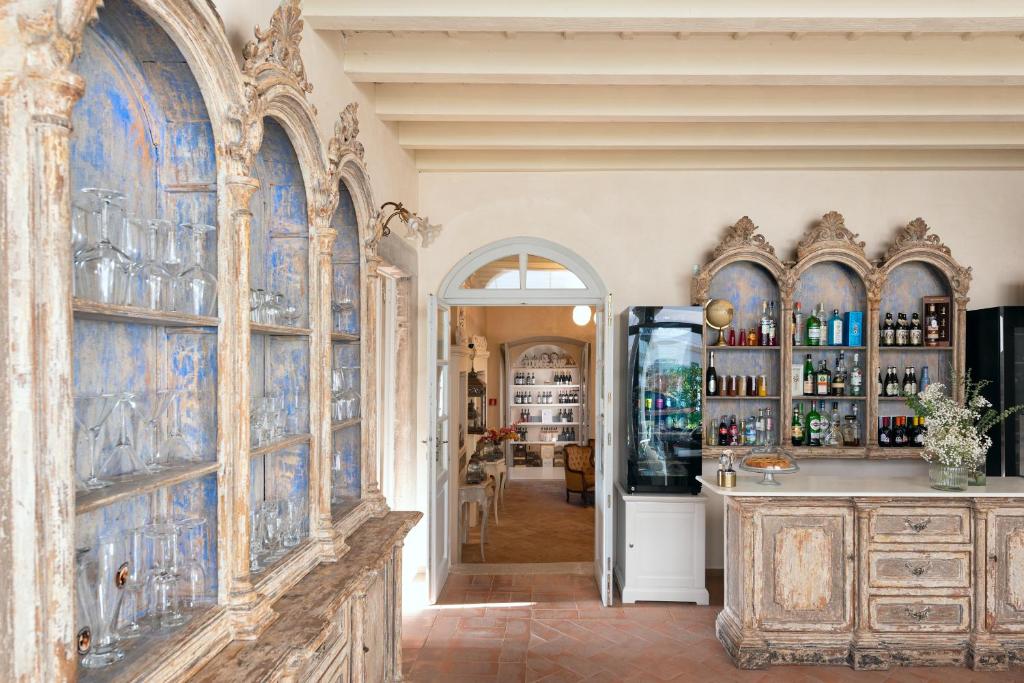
832,269
545,360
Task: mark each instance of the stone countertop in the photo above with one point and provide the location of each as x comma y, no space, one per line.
798,484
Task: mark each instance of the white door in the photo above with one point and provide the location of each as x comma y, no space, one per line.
387,385
438,431
604,452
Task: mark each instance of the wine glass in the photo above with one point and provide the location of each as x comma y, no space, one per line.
123,458
343,304
175,448
153,282
273,524
151,406
197,292
91,412
84,214
162,578
191,544
104,581
172,256
256,536
293,509
101,270
132,241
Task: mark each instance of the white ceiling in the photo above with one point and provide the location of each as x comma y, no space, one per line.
539,84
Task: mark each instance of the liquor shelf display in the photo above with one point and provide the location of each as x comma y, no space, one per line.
201,255
852,338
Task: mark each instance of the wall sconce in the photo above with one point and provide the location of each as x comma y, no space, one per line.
416,228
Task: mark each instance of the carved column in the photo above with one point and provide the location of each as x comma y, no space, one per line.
370,487
320,290
873,284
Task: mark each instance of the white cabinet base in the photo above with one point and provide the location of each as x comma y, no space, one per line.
660,547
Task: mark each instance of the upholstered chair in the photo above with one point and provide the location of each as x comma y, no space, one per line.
579,471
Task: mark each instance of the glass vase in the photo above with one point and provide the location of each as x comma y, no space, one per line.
197,288
977,477
946,478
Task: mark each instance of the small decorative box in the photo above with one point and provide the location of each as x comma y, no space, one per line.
854,328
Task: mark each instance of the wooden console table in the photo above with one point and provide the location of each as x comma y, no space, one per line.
872,572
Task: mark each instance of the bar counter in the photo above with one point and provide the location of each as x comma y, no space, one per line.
872,572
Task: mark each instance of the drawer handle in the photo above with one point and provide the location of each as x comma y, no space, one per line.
919,615
917,527
919,569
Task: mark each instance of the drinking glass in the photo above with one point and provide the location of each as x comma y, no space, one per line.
350,398
337,391
132,241
135,581
172,256
343,304
162,578
257,306
270,310
105,582
175,448
256,537
273,523
273,405
101,270
291,313
197,288
191,545
84,215
291,409
123,458
153,282
151,407
293,509
85,609
91,412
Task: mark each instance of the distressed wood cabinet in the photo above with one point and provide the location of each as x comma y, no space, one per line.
824,577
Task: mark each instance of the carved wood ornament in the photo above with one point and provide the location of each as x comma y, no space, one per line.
740,238
278,46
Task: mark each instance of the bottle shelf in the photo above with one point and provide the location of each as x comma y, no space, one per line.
344,337
133,485
84,309
915,349
827,347
545,405
279,330
338,425
517,387
743,398
280,445
567,368
892,399
743,348
827,451
802,397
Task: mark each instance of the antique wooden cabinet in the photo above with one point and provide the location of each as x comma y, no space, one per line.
225,168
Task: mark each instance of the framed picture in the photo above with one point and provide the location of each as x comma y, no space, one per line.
943,314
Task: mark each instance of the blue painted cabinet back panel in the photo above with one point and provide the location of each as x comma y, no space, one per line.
345,468
833,284
746,285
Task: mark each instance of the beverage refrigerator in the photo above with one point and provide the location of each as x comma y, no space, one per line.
664,434
995,352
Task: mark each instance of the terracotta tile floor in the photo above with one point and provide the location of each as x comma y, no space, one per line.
536,525
550,628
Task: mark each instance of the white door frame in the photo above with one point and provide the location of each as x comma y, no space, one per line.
387,386
593,294
438,446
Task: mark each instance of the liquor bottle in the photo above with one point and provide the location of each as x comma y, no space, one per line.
888,331
833,436
769,428
810,377
856,383
922,432
823,380
814,426
751,337
913,381
838,385
773,327
899,434
881,382
750,431
925,379
943,316
813,330
931,323
892,384
916,333
902,330
906,386
798,324
762,325
797,428
711,383
734,431
835,329
759,428
851,428
884,433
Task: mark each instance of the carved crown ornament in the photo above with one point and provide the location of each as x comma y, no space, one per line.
915,234
277,48
742,234
830,232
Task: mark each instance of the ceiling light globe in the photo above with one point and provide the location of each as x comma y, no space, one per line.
581,315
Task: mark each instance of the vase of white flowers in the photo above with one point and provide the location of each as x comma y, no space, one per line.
957,440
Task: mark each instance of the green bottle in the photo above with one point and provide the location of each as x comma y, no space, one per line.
810,377
798,426
814,425
814,323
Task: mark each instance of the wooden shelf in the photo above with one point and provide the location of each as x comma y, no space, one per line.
916,349
337,425
344,337
90,310
892,399
545,405
280,445
570,368
827,451
743,348
279,330
516,387
544,443
826,347
801,397
743,398
132,485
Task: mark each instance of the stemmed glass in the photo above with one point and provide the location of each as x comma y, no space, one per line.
83,216
172,256
91,412
292,509
132,241
105,578
152,406
197,288
272,523
343,304
123,457
101,270
154,281
175,448
256,536
135,581
191,542
337,394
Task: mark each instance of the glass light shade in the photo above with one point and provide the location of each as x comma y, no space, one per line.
581,315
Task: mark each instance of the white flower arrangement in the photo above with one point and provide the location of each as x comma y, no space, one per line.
957,433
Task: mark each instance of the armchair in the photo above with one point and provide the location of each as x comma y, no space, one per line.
579,471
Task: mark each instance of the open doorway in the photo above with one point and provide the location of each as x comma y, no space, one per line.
513,274
528,370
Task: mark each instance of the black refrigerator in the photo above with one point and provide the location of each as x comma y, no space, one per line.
995,351
664,436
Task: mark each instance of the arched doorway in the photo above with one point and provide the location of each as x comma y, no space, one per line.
519,271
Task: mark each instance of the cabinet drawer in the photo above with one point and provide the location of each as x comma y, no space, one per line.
916,614
910,569
918,524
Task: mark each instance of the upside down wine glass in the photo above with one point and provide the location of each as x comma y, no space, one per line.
175,449
197,288
153,281
153,406
101,270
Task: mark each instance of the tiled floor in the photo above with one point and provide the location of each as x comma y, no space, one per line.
551,628
536,525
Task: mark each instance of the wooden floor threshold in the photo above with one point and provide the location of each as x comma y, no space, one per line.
477,568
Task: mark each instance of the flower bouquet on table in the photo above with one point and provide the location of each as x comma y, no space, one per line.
493,441
956,441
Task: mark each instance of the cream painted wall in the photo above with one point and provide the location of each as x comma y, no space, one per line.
644,231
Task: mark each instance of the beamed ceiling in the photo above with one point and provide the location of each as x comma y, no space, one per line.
538,84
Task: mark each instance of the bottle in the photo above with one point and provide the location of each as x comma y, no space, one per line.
773,329
752,337
762,339
769,428
734,431
851,428
813,330
835,329
711,383
881,382
884,433
750,431
797,427
922,432
723,431
899,434
906,386
856,383
913,381
916,333
925,379
834,428
810,377
902,330
888,331
892,384
931,323
838,385
823,381
813,426
798,324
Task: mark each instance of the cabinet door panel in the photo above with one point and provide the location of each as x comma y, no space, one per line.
804,560
374,622
1005,610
